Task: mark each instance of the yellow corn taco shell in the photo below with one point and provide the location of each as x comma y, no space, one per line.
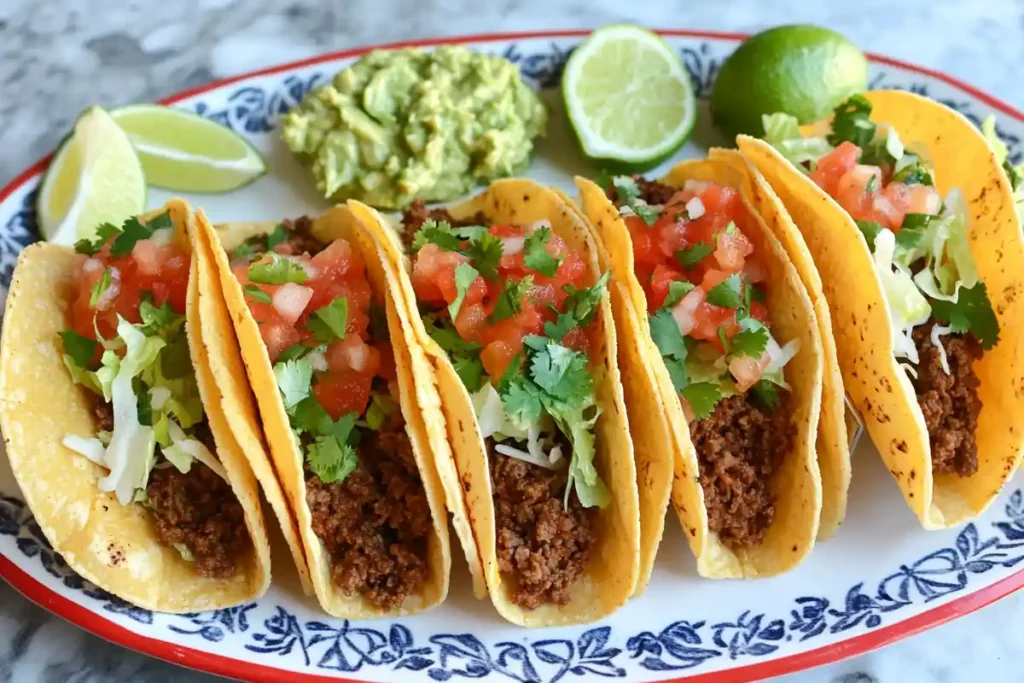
881,391
612,574
797,483
248,356
112,545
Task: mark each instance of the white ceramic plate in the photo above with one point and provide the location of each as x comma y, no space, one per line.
881,579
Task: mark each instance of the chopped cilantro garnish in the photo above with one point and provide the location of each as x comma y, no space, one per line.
328,322
278,235
465,276
509,301
914,174
561,372
582,304
767,393
912,233
470,370
558,329
294,352
751,342
81,349
277,271
464,355
971,312
101,286
485,254
536,256
439,233
104,232
244,250
872,185
852,123
728,293
309,416
629,194
331,459
870,230
702,397
256,294
723,340
1014,174
694,254
132,231
145,405
666,335
158,319
677,289
293,379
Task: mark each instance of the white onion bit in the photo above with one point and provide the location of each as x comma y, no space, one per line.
290,300
695,208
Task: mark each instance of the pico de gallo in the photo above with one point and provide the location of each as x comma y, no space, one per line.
127,345
326,334
705,289
942,317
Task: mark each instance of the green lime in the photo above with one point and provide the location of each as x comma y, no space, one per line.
95,177
185,152
803,70
629,97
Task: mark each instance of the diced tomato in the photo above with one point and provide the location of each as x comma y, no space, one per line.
713,278
732,249
278,335
343,392
496,356
720,199
471,321
577,340
662,277
645,252
747,371
709,318
834,165
337,261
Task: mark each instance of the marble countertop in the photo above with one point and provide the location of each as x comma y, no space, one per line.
58,56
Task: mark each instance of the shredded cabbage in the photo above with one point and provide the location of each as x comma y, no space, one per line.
907,305
782,132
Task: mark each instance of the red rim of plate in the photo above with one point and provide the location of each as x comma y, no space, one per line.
237,668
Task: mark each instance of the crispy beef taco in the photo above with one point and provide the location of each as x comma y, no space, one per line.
132,475
324,346
733,354
912,226
506,299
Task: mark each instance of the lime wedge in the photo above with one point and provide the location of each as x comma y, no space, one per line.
185,152
628,97
94,178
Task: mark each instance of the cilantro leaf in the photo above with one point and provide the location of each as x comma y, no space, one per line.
81,349
103,233
558,329
465,276
912,232
629,194
277,236
331,459
341,428
309,416
442,332
694,254
485,253
750,343
277,271
582,304
562,373
293,379
294,352
702,397
132,231
256,294
243,250
728,293
666,335
852,123
509,301
870,230
677,289
436,232
328,322
160,320
522,400
677,371
914,174
470,370
971,312
766,393
101,286
535,253
1014,174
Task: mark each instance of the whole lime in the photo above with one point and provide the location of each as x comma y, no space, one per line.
801,70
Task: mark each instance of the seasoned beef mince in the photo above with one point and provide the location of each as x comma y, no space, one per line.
542,547
418,213
103,411
376,523
949,401
739,447
651,191
300,239
200,511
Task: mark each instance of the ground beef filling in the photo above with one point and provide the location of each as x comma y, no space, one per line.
198,510
739,447
417,214
300,239
950,400
543,548
376,523
651,191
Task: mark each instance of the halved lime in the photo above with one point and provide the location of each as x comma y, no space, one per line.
95,177
185,152
628,97
801,70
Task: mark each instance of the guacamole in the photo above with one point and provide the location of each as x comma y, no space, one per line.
406,124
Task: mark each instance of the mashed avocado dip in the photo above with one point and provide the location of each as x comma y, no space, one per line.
405,124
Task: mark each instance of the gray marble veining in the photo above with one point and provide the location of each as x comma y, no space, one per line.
58,56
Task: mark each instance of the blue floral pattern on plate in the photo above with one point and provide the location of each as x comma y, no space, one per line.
603,651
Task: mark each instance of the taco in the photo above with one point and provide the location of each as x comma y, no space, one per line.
324,347
133,476
505,297
734,354
912,226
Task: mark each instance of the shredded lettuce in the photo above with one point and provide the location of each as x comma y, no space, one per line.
907,305
1015,173
949,264
782,132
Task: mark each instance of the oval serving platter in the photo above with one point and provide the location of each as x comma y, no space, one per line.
880,579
